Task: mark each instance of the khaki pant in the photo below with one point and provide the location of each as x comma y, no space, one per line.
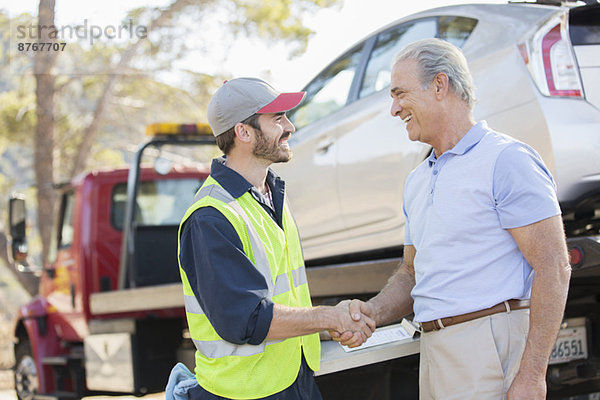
473,360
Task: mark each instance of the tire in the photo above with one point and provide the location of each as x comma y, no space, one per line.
26,377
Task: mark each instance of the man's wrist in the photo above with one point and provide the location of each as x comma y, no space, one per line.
373,308
533,367
324,318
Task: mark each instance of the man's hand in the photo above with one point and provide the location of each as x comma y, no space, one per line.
392,303
359,311
527,388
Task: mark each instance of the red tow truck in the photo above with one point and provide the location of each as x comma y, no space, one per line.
109,317
116,232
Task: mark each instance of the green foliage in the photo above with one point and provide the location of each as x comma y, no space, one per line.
17,117
17,92
12,62
106,157
148,88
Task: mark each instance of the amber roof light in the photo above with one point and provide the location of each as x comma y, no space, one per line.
159,129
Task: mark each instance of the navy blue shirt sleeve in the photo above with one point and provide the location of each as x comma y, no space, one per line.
229,288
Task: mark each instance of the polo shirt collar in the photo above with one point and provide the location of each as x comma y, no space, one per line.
471,138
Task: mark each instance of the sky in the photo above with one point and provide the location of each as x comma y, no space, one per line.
335,30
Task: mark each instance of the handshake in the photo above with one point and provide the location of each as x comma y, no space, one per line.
355,323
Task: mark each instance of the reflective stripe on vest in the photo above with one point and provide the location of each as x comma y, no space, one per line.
219,348
222,348
260,255
282,282
282,285
252,371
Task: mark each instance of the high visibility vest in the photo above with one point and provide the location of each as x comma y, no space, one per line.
252,371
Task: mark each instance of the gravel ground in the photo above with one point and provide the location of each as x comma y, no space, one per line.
12,296
6,349
7,391
7,395
6,385
6,380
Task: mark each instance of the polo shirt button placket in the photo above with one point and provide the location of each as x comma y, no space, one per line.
433,181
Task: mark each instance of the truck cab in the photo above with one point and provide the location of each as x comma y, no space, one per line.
57,349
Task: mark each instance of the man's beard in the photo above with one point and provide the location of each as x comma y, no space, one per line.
271,151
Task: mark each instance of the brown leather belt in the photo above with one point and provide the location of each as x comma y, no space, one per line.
442,323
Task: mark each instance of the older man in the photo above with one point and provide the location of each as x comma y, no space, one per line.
485,266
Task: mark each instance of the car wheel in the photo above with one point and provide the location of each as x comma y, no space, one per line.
26,377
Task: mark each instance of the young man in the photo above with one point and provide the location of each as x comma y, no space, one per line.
485,266
247,300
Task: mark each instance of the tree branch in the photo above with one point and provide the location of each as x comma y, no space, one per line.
91,131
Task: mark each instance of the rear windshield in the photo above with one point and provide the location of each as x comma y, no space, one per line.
584,25
455,30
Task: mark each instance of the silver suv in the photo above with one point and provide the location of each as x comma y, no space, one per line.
537,75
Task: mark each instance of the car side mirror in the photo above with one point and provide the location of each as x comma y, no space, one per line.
17,226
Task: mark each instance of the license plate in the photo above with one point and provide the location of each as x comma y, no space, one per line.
571,344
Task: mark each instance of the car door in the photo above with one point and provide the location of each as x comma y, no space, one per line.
374,153
311,175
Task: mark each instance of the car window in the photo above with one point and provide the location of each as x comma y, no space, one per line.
584,25
390,42
66,228
329,91
455,30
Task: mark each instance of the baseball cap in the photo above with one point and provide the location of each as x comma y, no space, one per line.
241,98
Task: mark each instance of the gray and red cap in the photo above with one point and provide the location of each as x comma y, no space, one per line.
241,98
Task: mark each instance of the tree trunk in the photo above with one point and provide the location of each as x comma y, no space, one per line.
44,134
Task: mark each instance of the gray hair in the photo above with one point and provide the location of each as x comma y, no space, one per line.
436,56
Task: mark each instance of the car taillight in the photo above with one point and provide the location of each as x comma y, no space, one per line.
575,256
550,60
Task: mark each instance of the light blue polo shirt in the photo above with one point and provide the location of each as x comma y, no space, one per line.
458,209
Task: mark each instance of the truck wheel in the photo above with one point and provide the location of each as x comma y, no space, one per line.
26,378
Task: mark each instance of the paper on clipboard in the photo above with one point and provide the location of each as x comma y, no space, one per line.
386,335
